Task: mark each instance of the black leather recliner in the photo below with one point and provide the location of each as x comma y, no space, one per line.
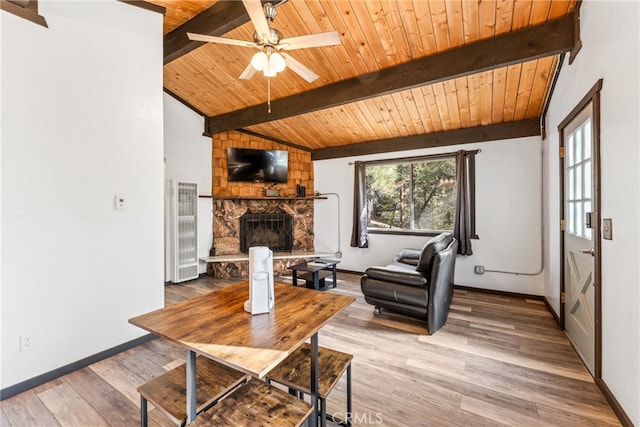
418,283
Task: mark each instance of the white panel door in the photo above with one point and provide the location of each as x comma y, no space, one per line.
579,255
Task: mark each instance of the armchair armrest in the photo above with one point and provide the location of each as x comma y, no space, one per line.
408,256
393,275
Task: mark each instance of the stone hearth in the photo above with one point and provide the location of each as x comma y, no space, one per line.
226,230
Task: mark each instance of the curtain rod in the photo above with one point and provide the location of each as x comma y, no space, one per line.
426,157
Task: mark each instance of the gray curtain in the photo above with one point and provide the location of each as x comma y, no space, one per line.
359,237
462,223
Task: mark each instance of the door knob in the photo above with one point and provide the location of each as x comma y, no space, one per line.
591,251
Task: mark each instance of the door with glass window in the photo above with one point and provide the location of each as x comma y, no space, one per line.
580,219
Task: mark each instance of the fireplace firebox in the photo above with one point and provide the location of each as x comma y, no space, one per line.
273,230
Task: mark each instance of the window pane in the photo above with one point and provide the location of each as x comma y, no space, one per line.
578,182
388,195
571,185
434,194
579,145
587,179
570,151
587,139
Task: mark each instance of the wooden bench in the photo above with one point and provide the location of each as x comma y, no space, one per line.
168,391
295,373
256,403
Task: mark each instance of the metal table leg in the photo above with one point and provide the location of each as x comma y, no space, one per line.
144,421
349,408
314,379
191,386
335,276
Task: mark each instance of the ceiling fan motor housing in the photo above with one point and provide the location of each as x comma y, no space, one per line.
274,38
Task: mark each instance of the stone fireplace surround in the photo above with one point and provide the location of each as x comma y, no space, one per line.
226,231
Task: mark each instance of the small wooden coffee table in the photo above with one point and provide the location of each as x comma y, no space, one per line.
314,273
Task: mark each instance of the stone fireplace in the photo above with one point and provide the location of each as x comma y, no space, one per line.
232,200
283,224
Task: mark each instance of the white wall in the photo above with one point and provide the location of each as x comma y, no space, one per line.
81,122
610,38
188,158
507,220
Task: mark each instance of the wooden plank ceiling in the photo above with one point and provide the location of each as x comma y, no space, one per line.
376,35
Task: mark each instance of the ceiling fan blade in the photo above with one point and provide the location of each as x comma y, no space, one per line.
299,69
248,72
330,38
256,14
221,40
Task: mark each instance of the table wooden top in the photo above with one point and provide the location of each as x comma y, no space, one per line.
315,265
216,325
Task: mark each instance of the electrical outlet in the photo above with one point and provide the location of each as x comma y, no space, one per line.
478,269
27,342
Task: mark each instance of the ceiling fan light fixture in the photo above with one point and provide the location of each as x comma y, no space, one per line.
260,61
277,62
270,63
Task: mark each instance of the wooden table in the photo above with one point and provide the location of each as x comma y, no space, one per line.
215,325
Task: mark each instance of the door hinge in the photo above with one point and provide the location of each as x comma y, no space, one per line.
562,225
562,152
563,297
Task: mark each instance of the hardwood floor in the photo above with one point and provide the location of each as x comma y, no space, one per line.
498,361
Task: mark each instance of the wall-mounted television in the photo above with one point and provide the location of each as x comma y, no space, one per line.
248,165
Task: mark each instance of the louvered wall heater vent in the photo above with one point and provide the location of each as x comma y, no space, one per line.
185,221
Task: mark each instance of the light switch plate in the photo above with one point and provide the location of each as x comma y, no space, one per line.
120,202
607,230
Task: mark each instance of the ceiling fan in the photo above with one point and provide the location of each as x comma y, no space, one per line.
272,57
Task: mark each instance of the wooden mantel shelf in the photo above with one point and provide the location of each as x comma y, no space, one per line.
263,198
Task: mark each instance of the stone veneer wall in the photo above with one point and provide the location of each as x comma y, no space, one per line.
300,167
234,199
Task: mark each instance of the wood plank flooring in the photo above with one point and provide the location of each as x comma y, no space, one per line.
498,361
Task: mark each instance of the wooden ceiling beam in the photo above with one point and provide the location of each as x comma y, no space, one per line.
219,19
509,130
276,140
146,5
531,43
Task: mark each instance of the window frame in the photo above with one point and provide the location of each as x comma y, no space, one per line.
575,169
431,157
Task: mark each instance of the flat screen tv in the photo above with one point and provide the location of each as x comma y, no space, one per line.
247,165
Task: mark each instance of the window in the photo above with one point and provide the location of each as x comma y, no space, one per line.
578,181
416,195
